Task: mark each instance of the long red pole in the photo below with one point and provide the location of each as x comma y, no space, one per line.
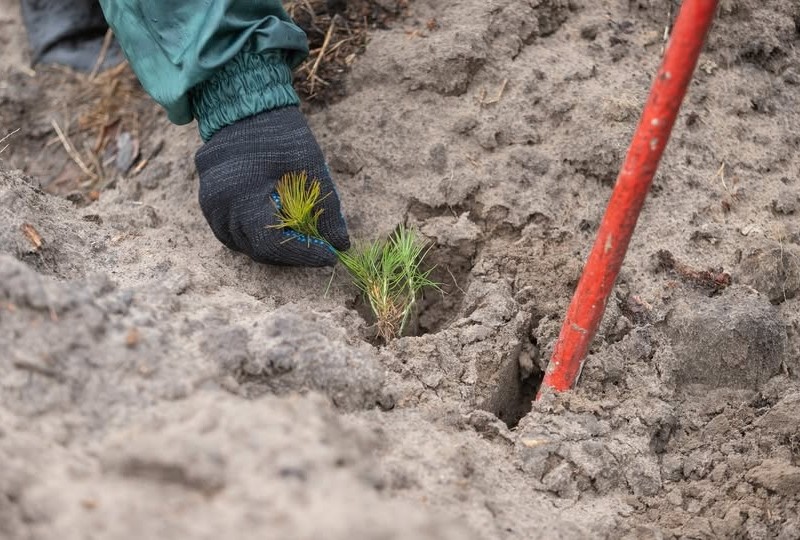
651,137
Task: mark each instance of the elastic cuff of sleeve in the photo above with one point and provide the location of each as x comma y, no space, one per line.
250,83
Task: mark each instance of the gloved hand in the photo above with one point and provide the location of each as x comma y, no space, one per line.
239,168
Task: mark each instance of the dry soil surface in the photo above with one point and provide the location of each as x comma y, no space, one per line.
155,385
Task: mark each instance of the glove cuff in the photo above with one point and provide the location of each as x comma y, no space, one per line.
250,83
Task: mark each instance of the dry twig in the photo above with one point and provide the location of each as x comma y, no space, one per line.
103,52
713,280
38,369
4,139
76,157
32,235
312,75
336,35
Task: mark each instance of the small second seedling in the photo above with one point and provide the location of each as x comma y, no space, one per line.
389,274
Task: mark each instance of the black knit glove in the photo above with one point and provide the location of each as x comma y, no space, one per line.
239,168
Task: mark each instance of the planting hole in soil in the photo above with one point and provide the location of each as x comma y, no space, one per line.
451,269
436,308
515,399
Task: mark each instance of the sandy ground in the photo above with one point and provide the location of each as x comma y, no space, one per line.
155,385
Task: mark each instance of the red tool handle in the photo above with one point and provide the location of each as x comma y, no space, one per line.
651,137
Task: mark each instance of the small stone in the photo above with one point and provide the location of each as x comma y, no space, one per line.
465,124
672,467
719,473
751,230
487,138
559,479
697,465
694,506
643,477
732,521
132,338
432,379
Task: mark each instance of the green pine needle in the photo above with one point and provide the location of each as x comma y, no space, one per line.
389,275
299,200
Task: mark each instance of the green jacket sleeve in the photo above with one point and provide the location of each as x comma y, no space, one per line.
214,60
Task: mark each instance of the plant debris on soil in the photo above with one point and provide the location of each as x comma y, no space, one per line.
97,130
337,33
712,280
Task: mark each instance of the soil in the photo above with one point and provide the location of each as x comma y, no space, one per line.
155,384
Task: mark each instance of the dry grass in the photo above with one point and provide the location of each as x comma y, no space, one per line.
335,39
4,139
109,103
731,187
102,107
111,100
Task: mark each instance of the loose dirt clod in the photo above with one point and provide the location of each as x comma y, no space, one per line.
5,138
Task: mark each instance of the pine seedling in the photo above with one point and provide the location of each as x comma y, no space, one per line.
389,275
411,252
297,209
388,272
